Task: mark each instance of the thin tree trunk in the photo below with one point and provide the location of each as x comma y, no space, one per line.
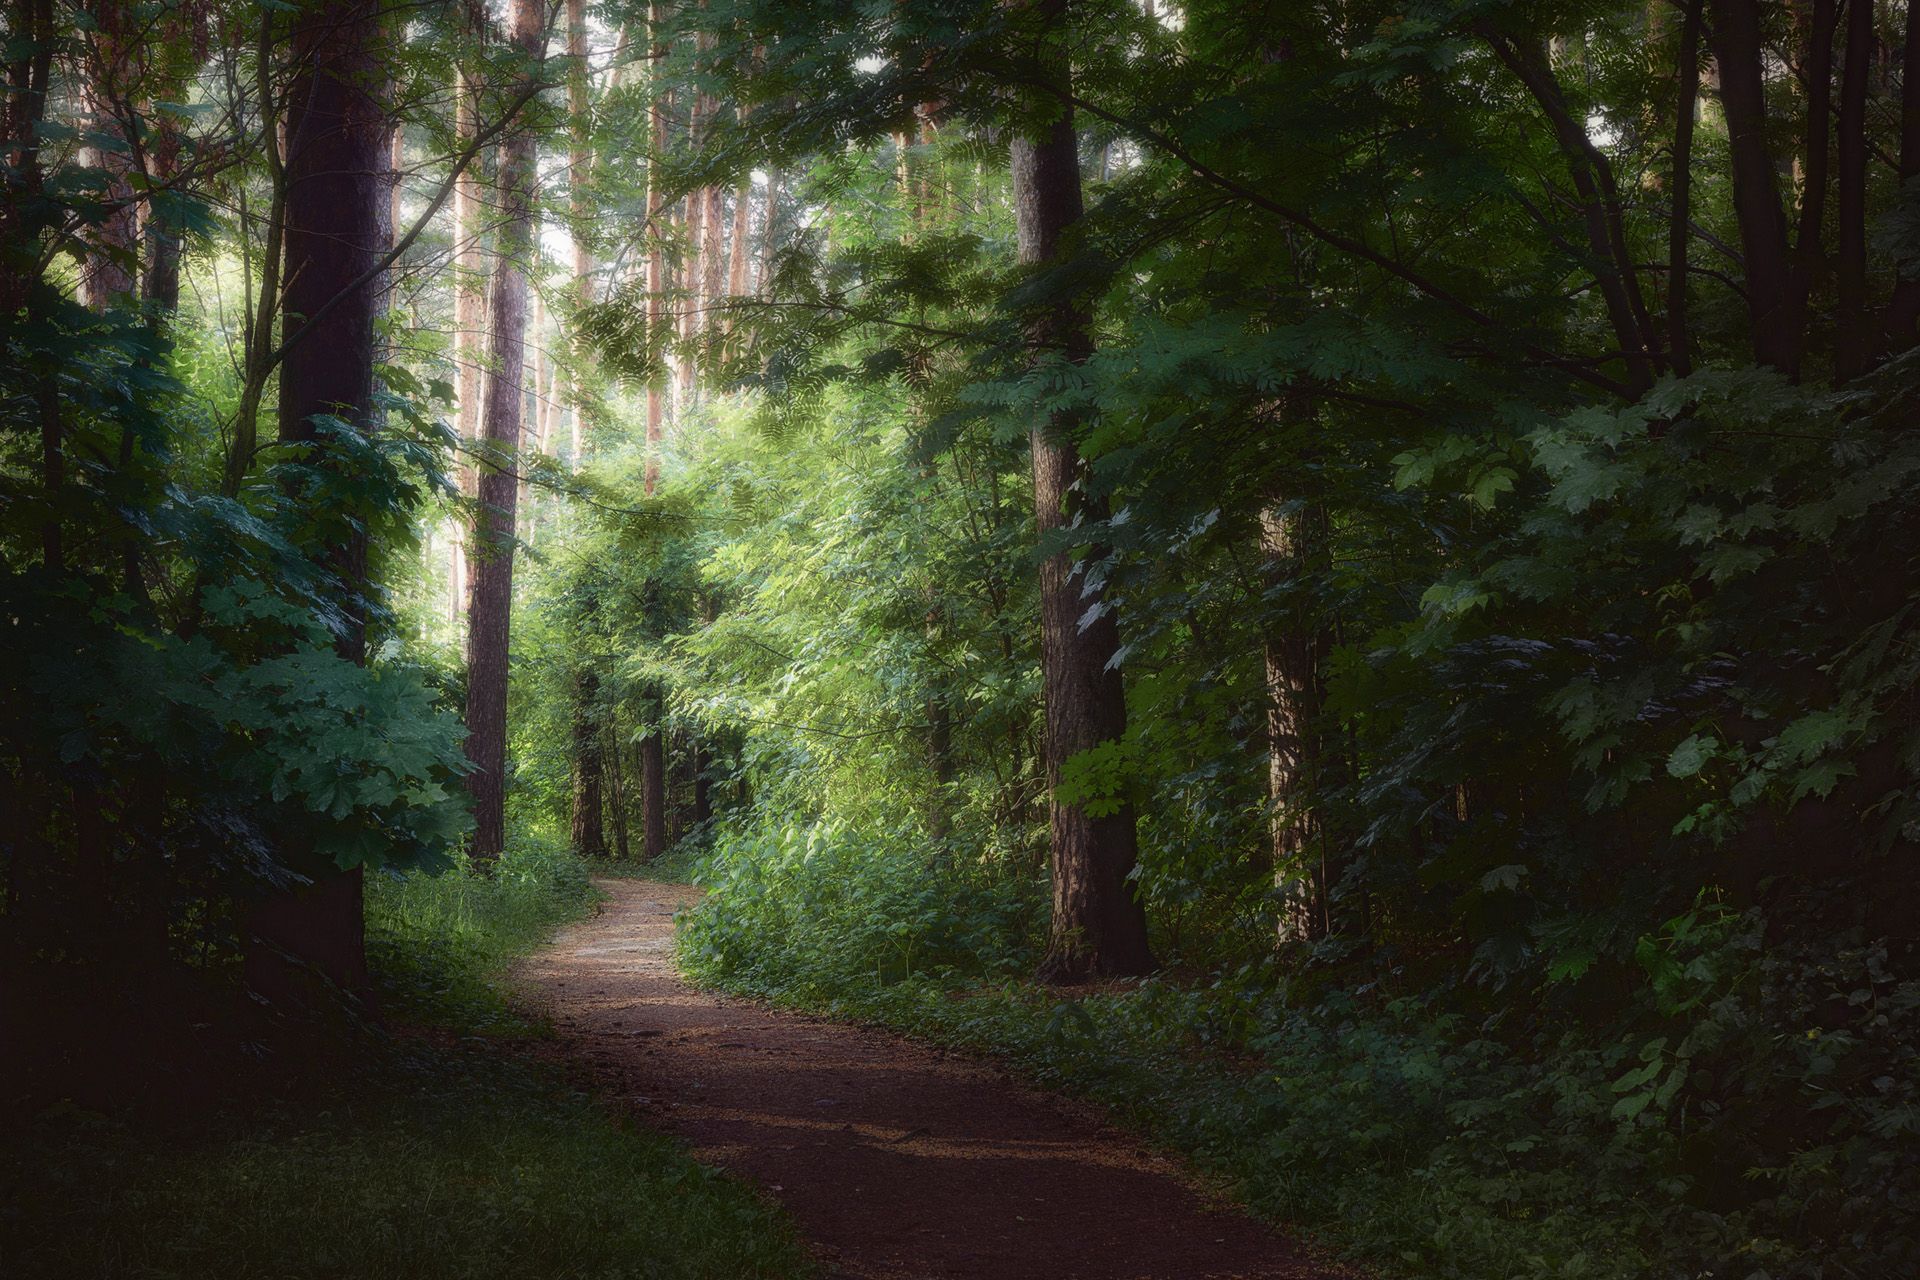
1292,651
107,275
617,794
579,189
713,265
492,559
1817,67
1756,192
653,785
1904,310
161,286
738,256
769,231
589,839
1099,926
469,305
541,408
1679,336
1593,181
1853,351
656,251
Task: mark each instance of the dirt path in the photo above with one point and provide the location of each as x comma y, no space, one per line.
897,1161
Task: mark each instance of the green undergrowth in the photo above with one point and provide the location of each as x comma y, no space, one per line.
439,1153
441,945
1738,1121
676,866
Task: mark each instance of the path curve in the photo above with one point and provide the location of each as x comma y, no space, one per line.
897,1161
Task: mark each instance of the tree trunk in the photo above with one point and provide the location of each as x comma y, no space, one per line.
491,564
713,264
1904,310
1099,926
579,186
656,252
738,256
769,231
335,233
617,793
161,286
107,274
469,303
1756,192
653,787
1855,339
589,840
1293,650
1679,333
541,409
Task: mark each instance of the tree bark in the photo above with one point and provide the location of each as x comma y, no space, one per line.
1904,310
653,787
589,838
738,256
1854,348
1099,926
1756,193
491,561
579,187
617,796
161,285
469,304
713,266
1293,651
334,234
107,275
656,252
1679,231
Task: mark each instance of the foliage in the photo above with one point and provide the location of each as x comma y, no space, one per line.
443,941
423,1160
1440,1139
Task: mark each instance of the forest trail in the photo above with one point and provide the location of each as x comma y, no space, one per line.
896,1160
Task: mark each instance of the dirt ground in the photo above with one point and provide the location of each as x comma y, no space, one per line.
896,1160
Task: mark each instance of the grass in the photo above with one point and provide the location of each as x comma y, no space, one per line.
448,1154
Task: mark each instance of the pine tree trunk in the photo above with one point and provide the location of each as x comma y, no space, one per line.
656,253
738,256
1292,651
335,233
107,272
579,187
653,788
491,561
713,264
769,231
589,839
469,307
161,286
617,793
1099,926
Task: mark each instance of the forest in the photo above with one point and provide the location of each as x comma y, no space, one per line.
1004,638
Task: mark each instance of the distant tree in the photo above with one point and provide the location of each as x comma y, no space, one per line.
490,555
